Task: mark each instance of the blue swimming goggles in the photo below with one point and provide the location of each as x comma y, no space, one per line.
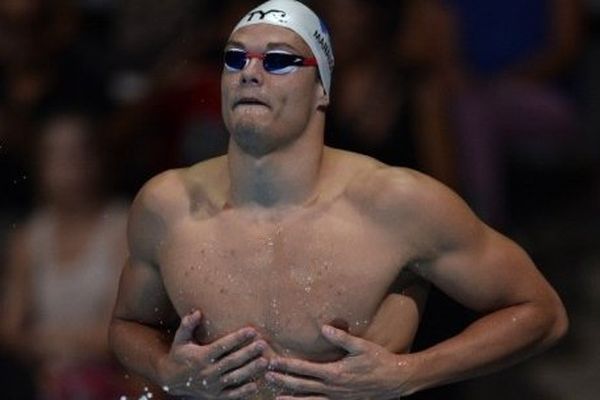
276,62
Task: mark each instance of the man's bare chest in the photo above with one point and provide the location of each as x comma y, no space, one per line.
286,277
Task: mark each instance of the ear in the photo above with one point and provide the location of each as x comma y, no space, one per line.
322,98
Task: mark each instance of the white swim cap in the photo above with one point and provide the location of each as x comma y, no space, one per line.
296,16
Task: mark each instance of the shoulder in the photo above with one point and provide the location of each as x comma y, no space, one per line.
383,187
161,195
156,205
410,201
172,192
167,198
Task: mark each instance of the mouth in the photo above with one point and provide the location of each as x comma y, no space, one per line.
249,101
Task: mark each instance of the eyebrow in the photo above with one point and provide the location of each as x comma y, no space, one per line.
270,46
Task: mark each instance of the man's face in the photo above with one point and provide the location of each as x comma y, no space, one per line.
265,111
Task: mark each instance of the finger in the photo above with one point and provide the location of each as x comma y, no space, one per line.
226,344
241,392
247,372
294,383
300,367
352,344
241,357
185,332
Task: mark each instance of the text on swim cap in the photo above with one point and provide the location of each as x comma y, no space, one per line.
325,47
262,15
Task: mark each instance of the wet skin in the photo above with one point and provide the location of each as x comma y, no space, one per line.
286,274
289,272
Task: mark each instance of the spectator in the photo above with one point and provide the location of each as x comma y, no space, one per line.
63,269
496,71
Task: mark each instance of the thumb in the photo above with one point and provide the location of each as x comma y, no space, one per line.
185,332
344,340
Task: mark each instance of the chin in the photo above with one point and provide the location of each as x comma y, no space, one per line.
254,139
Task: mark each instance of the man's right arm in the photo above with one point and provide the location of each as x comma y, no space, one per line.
143,332
143,319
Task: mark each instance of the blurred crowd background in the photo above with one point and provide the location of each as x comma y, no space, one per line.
499,99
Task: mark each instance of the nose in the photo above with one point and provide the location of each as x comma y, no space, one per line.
253,73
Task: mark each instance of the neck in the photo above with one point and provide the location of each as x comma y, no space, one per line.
285,177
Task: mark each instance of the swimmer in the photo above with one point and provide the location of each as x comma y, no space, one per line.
287,269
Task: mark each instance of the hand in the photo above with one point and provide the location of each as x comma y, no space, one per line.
368,371
224,369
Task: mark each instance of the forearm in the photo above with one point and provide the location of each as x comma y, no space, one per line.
139,347
496,341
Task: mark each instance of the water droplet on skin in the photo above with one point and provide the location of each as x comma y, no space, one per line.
166,389
204,383
307,289
123,398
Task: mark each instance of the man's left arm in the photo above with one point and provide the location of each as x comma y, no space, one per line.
485,271
521,314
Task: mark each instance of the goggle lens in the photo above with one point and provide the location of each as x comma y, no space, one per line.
274,62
